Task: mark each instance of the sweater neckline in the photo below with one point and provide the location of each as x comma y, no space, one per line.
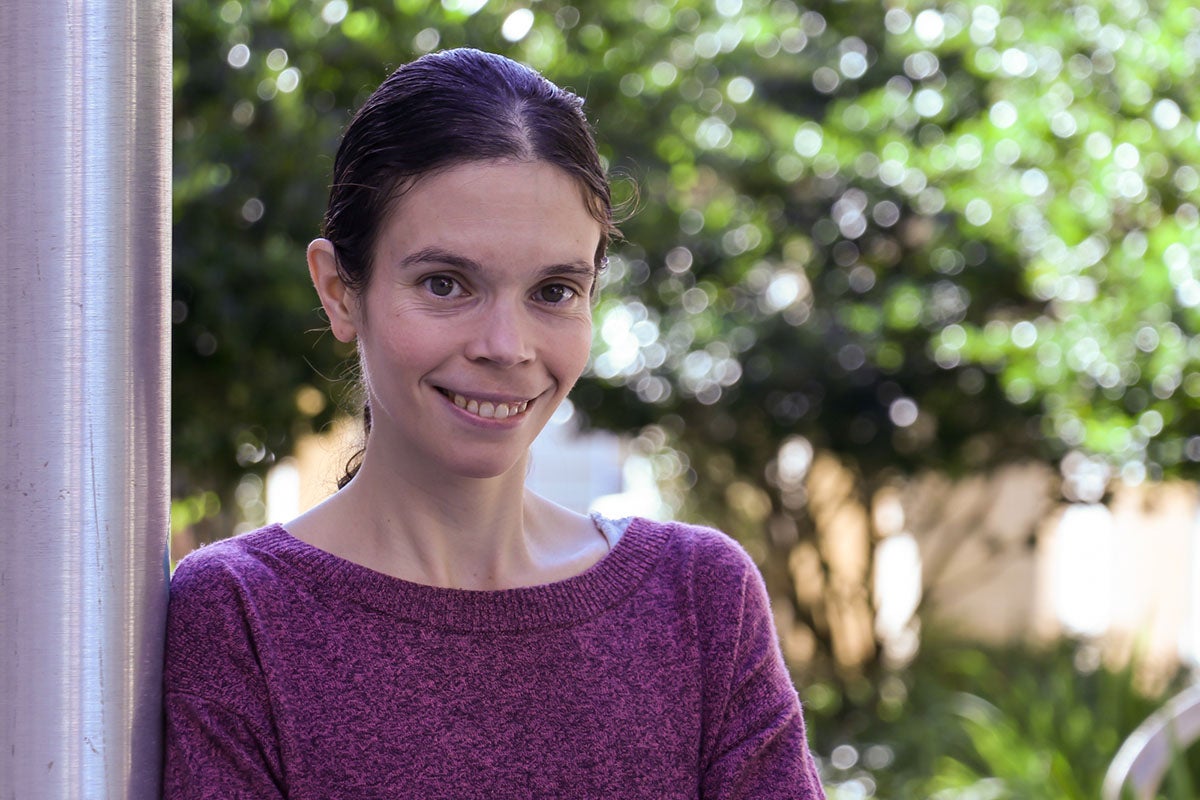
563,602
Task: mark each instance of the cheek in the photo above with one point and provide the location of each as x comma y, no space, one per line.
574,350
396,347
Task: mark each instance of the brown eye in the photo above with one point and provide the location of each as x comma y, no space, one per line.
440,285
555,293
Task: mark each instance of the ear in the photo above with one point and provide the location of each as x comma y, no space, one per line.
339,301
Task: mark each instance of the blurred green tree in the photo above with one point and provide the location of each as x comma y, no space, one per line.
897,235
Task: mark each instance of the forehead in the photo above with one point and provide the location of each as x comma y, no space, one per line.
493,211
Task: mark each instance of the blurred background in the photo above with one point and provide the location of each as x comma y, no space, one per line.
908,302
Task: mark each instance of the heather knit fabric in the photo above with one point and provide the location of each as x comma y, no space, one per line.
655,674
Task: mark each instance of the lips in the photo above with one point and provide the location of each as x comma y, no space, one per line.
487,409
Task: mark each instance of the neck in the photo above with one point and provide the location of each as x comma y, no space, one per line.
451,531
443,530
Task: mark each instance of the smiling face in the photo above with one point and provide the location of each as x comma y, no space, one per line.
476,322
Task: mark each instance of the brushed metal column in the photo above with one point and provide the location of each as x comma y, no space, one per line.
85,154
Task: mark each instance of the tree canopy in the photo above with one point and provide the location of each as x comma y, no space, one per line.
912,233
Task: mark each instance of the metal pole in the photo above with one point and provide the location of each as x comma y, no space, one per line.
84,258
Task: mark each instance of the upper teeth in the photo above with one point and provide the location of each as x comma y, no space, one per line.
488,409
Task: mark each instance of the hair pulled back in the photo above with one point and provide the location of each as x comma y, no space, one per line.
440,111
446,109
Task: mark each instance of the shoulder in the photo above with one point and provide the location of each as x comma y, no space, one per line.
708,570
706,553
212,587
247,557
216,596
688,536
251,555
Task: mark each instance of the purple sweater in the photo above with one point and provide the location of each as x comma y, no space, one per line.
655,674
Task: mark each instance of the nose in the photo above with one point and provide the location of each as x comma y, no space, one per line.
502,335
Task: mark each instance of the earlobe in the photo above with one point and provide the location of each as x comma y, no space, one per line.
336,298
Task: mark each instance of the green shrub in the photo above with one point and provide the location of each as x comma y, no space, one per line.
971,722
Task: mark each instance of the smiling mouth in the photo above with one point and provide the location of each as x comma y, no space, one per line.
486,409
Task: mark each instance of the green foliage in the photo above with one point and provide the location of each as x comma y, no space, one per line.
1049,727
987,208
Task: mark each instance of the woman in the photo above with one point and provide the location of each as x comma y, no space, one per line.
433,629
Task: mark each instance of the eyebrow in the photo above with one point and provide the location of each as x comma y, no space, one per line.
438,255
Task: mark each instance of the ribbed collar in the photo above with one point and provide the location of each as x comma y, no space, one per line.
564,602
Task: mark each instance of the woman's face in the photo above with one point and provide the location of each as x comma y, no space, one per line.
477,321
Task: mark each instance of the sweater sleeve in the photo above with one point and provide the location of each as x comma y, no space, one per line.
755,745
220,740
